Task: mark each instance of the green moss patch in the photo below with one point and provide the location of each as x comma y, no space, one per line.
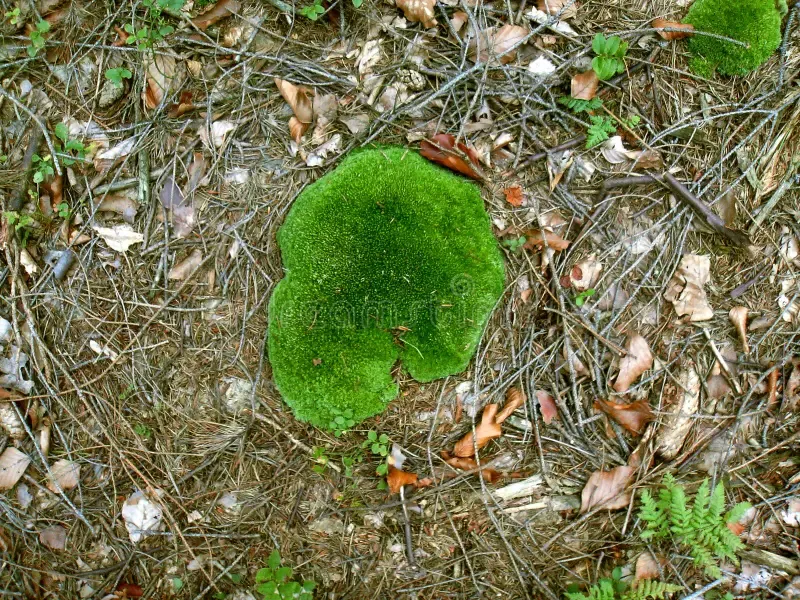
387,258
754,22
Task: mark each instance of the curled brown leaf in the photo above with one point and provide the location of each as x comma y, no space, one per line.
584,85
564,9
514,195
633,364
634,416
547,405
397,478
487,430
535,239
514,399
419,11
219,11
683,29
606,489
299,98
442,149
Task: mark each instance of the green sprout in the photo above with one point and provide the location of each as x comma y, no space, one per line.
274,582
313,11
37,37
13,16
515,245
342,421
580,299
117,74
610,58
577,105
599,131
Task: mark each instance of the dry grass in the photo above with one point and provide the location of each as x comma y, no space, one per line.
157,419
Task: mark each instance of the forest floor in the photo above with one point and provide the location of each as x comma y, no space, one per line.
147,159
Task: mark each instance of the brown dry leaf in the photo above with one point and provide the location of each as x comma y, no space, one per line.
685,289
419,11
649,159
297,128
219,11
183,106
299,98
554,7
54,537
791,391
65,473
504,39
485,432
547,405
163,76
718,386
535,239
633,364
681,402
514,399
442,149
606,489
182,270
470,464
584,275
397,478
686,29
634,416
458,19
646,567
12,466
514,195
584,85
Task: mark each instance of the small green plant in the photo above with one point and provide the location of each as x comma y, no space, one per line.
702,528
357,3
42,168
72,149
63,210
13,16
117,74
16,220
578,106
37,37
616,589
756,23
342,421
581,298
320,456
610,58
515,245
599,131
313,11
143,431
274,582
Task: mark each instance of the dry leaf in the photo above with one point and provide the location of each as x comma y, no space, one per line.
584,85
485,432
634,416
646,567
120,237
458,19
219,11
681,402
541,67
585,274
514,399
606,489
54,537
616,153
686,29
633,364
12,466
470,464
163,76
535,240
356,124
419,11
547,405
396,479
215,137
299,98
649,159
514,195
65,473
685,289
557,8
557,165
442,149
141,515
502,40
182,270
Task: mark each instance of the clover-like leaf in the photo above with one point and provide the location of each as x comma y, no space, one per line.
388,258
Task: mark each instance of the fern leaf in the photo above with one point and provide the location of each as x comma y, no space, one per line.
717,504
737,512
599,131
651,588
603,590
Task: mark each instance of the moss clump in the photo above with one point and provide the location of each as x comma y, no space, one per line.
387,257
754,22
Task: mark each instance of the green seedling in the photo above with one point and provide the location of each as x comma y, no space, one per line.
313,11
42,168
610,58
16,220
13,16
143,431
578,106
581,298
515,245
117,75
274,582
342,421
319,454
37,37
71,149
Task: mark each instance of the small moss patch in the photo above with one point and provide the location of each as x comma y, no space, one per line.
754,22
387,258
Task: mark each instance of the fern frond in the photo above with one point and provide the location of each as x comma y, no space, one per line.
599,131
603,590
717,504
737,512
650,588
578,106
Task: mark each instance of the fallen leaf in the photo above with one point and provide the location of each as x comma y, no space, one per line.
182,270
458,19
514,195
547,405
297,129
584,274
12,466
685,289
28,263
541,67
514,400
606,489
584,85
634,416
141,515
535,239
397,478
318,156
557,8
646,567
442,149
686,29
419,11
54,537
105,159
299,98
183,106
196,172
325,106
470,464
215,137
494,45
485,432
681,402
615,152
633,364
649,159
356,123
557,165
65,473
163,76
130,590
119,237
718,386
219,11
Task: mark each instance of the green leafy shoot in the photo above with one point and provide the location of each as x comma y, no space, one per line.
37,37
72,149
578,106
357,3
610,58
63,210
319,454
342,421
515,245
314,11
117,74
13,16
16,220
702,528
599,131
143,431
42,168
581,298
275,582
